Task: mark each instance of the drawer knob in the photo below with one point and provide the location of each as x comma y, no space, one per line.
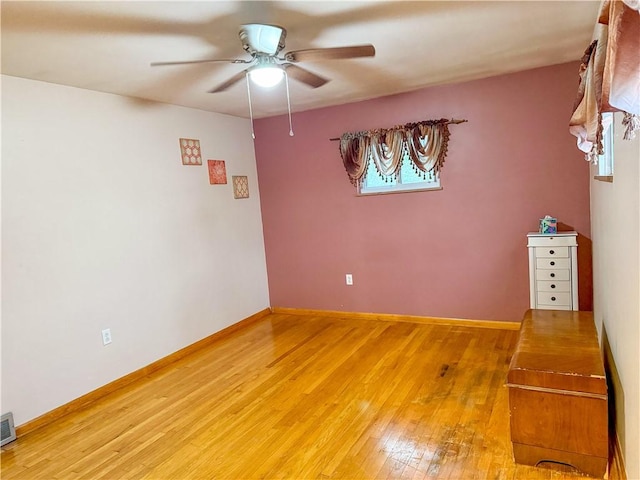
553,263
553,286
553,299
551,252
552,275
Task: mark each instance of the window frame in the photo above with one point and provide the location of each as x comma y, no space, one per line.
397,187
605,166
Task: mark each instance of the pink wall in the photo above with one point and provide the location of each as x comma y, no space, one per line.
459,252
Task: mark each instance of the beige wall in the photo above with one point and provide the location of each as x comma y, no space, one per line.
102,226
615,219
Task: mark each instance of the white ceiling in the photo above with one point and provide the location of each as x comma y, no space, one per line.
107,46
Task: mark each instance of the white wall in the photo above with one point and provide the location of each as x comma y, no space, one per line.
102,226
615,225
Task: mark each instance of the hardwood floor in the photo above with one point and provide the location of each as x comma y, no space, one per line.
299,397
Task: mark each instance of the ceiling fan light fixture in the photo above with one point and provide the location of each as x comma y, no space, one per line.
266,76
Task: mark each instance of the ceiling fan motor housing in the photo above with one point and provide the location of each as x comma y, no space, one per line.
266,39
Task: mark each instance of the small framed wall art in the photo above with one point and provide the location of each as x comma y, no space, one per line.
190,151
217,172
240,186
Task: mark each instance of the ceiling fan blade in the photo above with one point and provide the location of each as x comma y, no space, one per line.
235,79
336,53
304,76
189,62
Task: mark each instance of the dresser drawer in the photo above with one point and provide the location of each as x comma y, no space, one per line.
553,263
553,286
552,252
542,274
552,241
554,298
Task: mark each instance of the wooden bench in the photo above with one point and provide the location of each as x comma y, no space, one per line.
558,392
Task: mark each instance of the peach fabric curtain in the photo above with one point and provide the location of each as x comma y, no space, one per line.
609,77
425,144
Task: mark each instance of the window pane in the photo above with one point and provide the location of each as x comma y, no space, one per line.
409,180
605,161
374,180
409,175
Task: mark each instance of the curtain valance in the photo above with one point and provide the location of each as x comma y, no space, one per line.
423,143
609,76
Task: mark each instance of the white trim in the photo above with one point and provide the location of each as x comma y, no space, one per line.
401,187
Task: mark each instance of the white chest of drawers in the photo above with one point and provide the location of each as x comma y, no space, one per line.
553,271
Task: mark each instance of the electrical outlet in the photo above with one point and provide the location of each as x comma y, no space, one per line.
106,336
349,279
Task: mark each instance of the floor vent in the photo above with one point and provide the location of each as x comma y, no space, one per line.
8,430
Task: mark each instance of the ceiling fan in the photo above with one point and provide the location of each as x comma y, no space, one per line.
266,68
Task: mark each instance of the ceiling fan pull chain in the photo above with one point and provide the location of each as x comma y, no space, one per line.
253,134
286,81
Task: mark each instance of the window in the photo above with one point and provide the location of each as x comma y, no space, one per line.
605,161
400,159
409,179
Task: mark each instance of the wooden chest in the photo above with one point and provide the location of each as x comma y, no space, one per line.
558,392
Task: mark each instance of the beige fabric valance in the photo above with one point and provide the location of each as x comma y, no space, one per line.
424,143
609,76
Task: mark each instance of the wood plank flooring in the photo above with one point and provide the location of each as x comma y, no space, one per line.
299,397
